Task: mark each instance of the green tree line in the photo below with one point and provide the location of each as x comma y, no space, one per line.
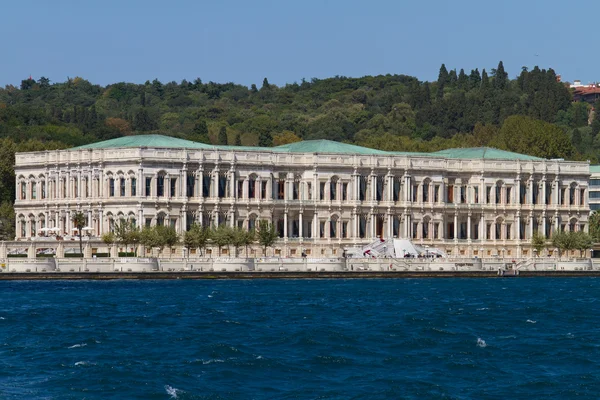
127,234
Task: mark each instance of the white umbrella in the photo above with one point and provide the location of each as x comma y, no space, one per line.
55,229
45,229
87,228
74,229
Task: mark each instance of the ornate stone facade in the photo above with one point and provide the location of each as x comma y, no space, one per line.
319,202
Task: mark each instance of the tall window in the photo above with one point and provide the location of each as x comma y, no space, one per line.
173,187
148,186
33,190
43,189
111,187
133,186
122,187
160,186
190,185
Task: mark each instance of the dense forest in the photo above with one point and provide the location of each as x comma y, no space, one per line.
533,114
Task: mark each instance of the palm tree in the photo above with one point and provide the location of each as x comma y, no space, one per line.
79,220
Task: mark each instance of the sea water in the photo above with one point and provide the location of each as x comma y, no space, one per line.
301,339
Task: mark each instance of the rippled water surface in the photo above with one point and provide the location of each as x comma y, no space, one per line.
301,339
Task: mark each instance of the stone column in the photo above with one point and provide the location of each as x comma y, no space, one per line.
300,226
100,221
469,226
455,225
285,224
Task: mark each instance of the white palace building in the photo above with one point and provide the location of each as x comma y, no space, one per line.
322,196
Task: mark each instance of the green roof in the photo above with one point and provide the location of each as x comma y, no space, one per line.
326,146
307,146
594,169
146,141
486,153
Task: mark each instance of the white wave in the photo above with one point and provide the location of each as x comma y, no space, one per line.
259,357
171,391
482,308
83,363
77,345
216,360
2,318
481,342
531,321
210,295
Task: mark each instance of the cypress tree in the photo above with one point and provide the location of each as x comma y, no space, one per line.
443,79
576,138
265,84
238,139
200,127
485,81
452,78
474,79
443,75
223,135
463,80
501,78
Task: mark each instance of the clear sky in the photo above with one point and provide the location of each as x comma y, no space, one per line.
246,40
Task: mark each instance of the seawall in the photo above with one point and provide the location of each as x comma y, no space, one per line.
282,275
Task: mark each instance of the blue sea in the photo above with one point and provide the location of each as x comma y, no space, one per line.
512,338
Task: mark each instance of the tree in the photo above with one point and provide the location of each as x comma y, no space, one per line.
564,241
583,242
538,242
126,233
223,135
169,236
149,238
594,222
143,121
500,77
222,236
79,220
200,127
285,137
108,238
530,136
159,236
7,221
197,237
238,139
266,234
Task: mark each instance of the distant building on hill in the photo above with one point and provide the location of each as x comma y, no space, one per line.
322,196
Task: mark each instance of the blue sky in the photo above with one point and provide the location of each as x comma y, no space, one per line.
246,40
